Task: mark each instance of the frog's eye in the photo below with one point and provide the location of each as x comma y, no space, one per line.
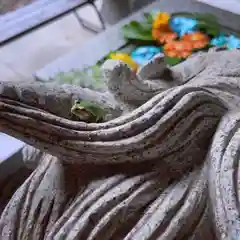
77,102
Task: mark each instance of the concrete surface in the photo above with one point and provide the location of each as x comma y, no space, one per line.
23,56
9,146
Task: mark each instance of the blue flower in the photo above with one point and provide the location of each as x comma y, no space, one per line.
183,25
142,55
219,41
233,42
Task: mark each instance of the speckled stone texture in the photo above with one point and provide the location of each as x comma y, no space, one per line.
165,166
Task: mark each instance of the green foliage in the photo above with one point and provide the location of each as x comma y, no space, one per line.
172,61
88,78
109,54
135,30
207,17
138,31
182,14
149,17
208,23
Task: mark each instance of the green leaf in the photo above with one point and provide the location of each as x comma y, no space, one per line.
209,28
149,17
96,72
183,14
137,31
172,61
91,78
206,17
109,55
213,31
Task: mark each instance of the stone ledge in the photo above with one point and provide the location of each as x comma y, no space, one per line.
9,146
23,19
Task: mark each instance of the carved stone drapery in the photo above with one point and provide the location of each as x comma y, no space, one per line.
166,166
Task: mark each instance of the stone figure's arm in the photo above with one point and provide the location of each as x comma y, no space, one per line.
32,156
186,70
224,177
153,69
133,88
136,206
117,141
57,202
152,78
54,98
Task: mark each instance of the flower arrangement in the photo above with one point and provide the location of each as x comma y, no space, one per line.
177,36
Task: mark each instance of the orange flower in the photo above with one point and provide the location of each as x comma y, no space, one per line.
178,49
161,30
163,37
198,40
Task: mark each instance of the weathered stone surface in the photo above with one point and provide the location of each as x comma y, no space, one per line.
166,166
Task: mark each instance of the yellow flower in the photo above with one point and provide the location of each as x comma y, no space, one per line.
161,21
125,58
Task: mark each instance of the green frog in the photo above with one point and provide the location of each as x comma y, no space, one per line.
88,112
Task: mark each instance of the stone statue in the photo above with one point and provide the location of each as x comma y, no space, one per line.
164,165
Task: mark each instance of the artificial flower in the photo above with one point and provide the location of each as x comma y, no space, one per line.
161,21
178,49
219,41
233,42
143,54
197,39
125,58
163,37
183,25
